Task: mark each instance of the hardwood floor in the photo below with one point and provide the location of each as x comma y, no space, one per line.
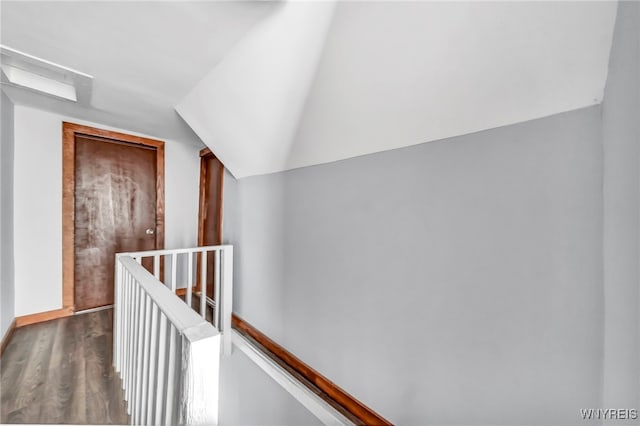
61,372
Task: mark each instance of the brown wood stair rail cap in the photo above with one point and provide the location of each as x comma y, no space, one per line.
351,405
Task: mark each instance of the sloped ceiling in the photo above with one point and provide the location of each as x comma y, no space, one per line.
274,85
394,74
247,108
144,56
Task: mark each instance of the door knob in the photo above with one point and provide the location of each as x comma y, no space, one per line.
149,231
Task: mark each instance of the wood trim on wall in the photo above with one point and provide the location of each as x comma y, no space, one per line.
202,200
69,131
202,193
336,394
7,336
43,316
205,152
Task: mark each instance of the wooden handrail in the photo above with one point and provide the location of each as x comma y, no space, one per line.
354,407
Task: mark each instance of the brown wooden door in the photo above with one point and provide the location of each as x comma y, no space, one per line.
115,211
210,214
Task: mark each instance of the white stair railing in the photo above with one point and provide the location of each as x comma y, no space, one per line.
166,353
183,271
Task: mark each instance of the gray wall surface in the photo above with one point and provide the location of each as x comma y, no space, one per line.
261,262
621,142
7,285
453,282
247,395
491,278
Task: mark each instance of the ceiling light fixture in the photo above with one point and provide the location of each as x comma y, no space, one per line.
37,82
26,71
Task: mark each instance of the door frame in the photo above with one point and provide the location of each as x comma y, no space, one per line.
202,198
69,132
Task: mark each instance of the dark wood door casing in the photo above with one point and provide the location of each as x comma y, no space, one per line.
97,225
210,209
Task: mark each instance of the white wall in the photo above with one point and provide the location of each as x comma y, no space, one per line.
260,297
453,282
491,278
247,108
38,205
310,85
621,142
7,283
399,73
248,396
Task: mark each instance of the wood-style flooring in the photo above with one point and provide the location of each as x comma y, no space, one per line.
61,372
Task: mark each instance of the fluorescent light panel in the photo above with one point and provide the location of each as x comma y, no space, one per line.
37,82
19,69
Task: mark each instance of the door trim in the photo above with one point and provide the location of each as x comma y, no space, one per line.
202,198
7,336
69,131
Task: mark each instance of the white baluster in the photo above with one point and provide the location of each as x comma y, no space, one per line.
171,374
156,267
124,302
138,359
145,361
216,289
203,285
127,331
116,317
226,305
133,342
189,278
174,271
161,371
153,356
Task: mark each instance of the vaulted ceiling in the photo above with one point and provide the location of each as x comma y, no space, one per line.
270,86
144,56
